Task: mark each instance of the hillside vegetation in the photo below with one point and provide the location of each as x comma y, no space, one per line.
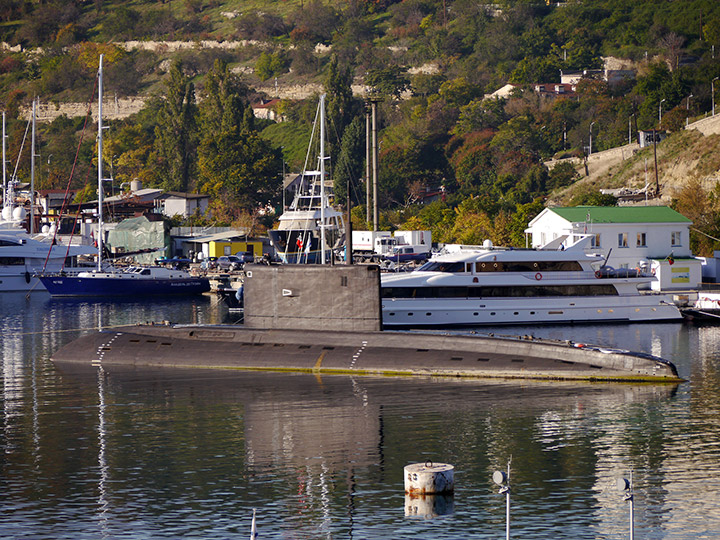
430,61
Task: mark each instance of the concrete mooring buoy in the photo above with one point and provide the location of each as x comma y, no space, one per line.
429,506
429,478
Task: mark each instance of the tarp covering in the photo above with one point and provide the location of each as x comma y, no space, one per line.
139,234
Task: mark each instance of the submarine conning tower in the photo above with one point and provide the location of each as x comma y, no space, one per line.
313,297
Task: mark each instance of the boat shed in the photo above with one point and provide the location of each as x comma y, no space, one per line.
653,238
217,244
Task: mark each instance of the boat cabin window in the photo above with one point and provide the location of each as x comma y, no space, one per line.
438,266
12,261
145,272
528,291
5,243
528,266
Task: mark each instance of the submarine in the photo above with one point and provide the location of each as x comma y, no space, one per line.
328,320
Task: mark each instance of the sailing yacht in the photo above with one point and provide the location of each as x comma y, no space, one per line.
133,281
310,228
22,255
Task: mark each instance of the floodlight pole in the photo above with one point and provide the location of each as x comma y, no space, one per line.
503,480
507,504
631,500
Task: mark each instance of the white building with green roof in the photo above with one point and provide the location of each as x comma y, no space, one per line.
656,238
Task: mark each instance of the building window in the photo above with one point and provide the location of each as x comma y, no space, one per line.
595,241
641,239
623,240
676,238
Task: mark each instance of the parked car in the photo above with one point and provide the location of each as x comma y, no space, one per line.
229,262
246,256
176,262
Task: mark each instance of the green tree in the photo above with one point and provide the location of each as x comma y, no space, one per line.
235,165
391,81
269,65
174,132
350,161
340,105
437,217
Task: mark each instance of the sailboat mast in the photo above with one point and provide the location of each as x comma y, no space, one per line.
4,170
99,167
32,170
322,178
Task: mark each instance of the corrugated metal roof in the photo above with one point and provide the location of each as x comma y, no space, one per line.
218,237
621,214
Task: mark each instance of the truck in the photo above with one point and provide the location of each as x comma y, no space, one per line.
403,246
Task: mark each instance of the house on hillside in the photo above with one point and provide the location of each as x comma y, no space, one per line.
267,109
654,238
555,89
175,203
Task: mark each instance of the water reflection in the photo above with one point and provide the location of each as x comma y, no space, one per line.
124,453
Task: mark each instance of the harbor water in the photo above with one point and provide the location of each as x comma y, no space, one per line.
88,453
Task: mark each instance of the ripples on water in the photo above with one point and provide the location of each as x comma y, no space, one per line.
128,453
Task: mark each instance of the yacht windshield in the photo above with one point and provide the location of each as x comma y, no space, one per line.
437,266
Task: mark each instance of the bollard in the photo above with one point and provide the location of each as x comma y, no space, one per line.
429,478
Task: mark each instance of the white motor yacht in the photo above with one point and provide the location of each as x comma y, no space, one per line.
499,286
23,257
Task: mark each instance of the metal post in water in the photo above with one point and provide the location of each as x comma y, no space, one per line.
503,480
626,486
253,528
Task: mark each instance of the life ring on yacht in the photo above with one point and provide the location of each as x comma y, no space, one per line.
538,276
598,274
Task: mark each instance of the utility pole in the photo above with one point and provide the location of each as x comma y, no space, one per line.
368,136
375,164
657,182
348,228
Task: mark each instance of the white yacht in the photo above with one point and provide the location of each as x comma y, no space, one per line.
22,257
499,286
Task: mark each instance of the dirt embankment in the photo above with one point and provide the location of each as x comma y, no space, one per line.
693,153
